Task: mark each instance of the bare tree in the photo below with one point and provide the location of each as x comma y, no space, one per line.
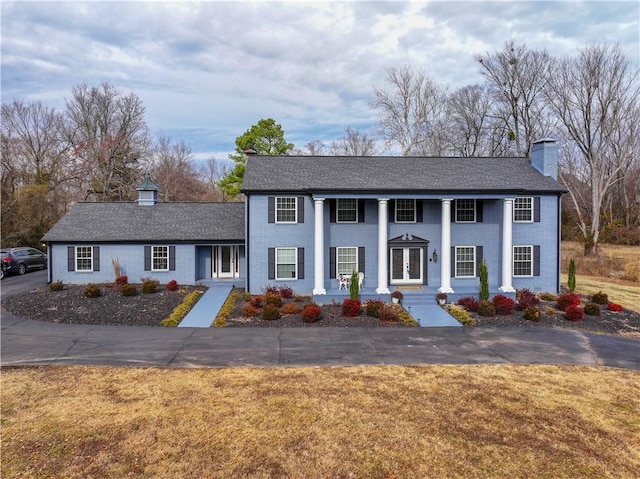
354,143
211,173
595,95
410,110
516,76
315,147
110,136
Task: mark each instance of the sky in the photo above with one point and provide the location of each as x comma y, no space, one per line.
207,71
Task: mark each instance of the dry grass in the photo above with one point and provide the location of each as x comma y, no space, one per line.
360,422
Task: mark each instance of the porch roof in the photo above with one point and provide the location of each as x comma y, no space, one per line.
130,222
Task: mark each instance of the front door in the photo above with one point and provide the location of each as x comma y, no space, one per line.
226,261
407,265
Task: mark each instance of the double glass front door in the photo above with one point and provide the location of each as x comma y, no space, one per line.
407,265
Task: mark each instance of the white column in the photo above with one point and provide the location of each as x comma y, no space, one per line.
507,246
318,266
383,220
445,245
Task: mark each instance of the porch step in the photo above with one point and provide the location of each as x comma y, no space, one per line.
425,310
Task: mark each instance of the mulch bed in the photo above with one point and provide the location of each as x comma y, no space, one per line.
112,309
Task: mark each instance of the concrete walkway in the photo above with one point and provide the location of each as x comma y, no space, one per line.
26,342
427,312
207,307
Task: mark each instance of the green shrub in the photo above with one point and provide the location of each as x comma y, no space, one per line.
247,297
547,296
128,290
372,307
460,314
182,309
484,281
273,299
149,286
92,291
311,313
592,309
389,313
225,311
354,288
571,281
486,309
599,298
532,314
405,317
270,312
56,286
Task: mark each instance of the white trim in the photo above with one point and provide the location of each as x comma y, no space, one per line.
475,211
531,260
153,257
355,268
295,209
338,210
90,258
415,213
532,206
295,264
473,261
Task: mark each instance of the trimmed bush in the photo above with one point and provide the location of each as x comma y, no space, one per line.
250,311
122,280
599,298
354,288
92,291
273,299
290,308
532,314
486,309
526,299
373,307
469,303
389,313
574,313
285,291
405,317
256,301
128,290
547,296
503,304
461,315
311,313
571,281
149,286
221,318
182,309
592,309
483,272
271,288
270,312
565,300
56,286
351,307
247,297
173,285
616,308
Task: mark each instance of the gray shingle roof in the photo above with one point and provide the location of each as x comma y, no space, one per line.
393,173
119,222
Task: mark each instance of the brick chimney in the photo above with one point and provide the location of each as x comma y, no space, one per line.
544,157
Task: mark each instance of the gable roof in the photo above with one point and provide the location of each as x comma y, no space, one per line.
127,222
394,173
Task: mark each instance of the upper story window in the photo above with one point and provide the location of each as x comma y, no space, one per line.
347,210
286,209
160,258
465,211
465,261
523,210
405,211
84,258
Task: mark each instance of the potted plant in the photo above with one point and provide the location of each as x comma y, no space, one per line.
441,298
396,296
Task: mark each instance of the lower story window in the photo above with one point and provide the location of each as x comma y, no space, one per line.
84,258
347,260
465,261
286,261
160,258
523,260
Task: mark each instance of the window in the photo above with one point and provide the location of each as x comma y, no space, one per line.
523,260
160,258
523,210
286,260
465,261
347,210
84,258
465,211
405,211
347,260
286,209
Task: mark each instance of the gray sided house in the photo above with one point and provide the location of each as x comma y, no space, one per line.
404,221
186,242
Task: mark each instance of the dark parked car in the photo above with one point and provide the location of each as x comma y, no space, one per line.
20,260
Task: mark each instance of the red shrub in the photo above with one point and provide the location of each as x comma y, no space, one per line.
173,285
527,299
285,291
249,311
311,313
290,308
122,280
503,304
271,288
351,307
256,301
614,307
565,300
469,303
389,313
574,313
